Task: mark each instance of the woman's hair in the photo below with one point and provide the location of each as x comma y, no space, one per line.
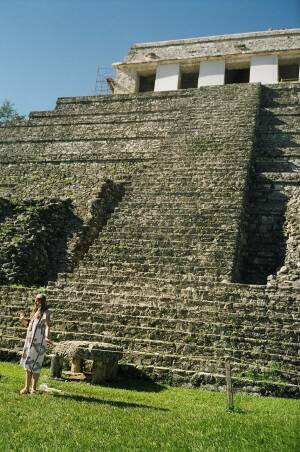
42,307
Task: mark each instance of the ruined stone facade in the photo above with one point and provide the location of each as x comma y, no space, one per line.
177,227
262,57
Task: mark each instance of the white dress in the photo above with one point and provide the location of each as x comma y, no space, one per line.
35,344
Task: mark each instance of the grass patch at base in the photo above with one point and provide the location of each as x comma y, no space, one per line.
140,416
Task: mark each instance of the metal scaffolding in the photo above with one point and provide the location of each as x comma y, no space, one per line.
104,85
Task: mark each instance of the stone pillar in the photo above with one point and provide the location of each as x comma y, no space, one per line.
167,77
211,73
126,81
76,366
264,69
56,366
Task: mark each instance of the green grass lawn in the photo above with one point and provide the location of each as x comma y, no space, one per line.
140,416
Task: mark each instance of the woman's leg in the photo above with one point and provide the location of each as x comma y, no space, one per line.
28,377
35,378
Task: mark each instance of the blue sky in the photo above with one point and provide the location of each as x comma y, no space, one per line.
51,48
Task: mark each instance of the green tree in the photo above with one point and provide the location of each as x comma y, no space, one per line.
8,113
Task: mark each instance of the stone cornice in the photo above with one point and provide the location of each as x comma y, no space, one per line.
231,37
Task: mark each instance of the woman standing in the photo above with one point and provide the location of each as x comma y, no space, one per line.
37,338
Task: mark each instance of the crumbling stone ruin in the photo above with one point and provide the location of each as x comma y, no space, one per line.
165,223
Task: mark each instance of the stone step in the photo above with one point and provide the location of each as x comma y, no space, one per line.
165,173
193,364
279,123
281,96
166,234
115,106
93,132
137,302
284,97
100,150
280,165
123,229
206,323
179,316
150,240
173,297
165,243
26,130
148,345
164,266
174,196
202,267
176,178
93,271
204,212
284,177
174,202
190,285
192,118
238,348
186,302
68,118
191,114
137,195
165,240
91,285
141,102
112,150
137,279
285,114
160,346
277,137
290,158
206,255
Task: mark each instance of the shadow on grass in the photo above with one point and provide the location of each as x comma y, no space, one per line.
135,384
82,398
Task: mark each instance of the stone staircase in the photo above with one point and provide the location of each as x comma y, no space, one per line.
157,278
178,332
275,182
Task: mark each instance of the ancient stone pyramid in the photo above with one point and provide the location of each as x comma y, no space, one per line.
167,223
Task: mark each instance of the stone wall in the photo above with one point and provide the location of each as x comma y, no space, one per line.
42,237
33,239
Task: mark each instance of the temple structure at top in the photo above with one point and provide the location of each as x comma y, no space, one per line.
262,57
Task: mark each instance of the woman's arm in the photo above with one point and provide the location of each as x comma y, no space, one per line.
47,329
23,320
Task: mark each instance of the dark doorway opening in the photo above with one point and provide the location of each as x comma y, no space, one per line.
237,76
288,72
146,83
189,80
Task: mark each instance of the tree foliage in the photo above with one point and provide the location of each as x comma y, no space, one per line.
8,113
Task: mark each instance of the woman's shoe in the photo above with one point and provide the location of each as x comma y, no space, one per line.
24,391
